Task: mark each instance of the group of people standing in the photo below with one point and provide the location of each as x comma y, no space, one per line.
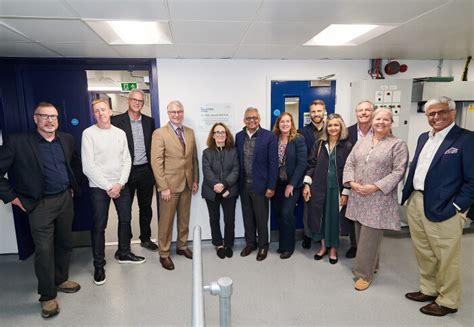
348,178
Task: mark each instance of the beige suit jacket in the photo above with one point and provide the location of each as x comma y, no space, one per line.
173,169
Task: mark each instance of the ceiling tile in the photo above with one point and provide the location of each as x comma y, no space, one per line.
19,49
35,8
8,35
229,10
146,51
90,50
121,9
207,32
281,33
190,51
263,52
53,30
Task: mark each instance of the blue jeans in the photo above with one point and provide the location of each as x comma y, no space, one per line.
100,211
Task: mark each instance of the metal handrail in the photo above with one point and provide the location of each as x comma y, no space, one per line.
223,288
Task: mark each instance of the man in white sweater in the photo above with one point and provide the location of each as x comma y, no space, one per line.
106,163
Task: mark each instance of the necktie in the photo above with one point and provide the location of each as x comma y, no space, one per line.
181,140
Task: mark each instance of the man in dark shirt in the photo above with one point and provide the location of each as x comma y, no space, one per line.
40,162
258,155
312,132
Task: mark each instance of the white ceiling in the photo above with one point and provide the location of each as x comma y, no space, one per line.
239,29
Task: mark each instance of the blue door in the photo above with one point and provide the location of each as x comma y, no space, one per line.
67,90
304,94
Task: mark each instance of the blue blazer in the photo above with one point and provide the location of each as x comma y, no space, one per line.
450,178
265,160
295,161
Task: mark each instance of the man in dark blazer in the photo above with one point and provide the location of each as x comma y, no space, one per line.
363,128
312,132
440,191
139,128
258,155
41,165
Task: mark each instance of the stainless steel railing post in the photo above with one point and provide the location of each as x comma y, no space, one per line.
198,298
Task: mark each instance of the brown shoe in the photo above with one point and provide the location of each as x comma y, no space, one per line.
186,252
420,297
246,251
167,263
262,254
69,287
361,284
49,308
434,309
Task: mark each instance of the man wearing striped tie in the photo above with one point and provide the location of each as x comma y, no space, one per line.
176,169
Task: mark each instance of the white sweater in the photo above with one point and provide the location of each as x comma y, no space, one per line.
105,156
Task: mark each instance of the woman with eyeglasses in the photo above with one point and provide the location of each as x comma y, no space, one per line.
373,170
220,166
292,155
323,186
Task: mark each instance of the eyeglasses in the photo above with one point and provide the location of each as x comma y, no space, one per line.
137,100
176,113
255,118
47,117
219,132
443,112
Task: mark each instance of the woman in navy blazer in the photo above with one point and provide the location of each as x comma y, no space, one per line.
292,155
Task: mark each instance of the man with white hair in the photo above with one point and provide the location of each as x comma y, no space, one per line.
440,191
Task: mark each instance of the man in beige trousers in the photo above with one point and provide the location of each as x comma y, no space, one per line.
176,170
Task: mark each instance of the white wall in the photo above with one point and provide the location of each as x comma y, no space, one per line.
245,83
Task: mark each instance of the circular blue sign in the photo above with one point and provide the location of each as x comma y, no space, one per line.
74,122
276,112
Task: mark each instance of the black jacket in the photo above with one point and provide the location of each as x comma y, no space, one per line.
318,171
20,157
220,166
122,121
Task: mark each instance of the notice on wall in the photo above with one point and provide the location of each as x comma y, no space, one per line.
215,113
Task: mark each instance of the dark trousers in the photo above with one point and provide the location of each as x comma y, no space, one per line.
285,215
255,214
228,207
51,225
100,211
141,181
352,233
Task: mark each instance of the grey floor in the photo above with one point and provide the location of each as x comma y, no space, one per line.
275,292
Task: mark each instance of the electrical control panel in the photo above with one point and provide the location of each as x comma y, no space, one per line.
386,93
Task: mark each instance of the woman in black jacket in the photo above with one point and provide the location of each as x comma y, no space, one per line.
292,158
323,185
220,166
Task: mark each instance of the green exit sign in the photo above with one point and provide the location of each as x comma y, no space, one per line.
128,86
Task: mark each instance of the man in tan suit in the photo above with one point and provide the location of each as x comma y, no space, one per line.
176,169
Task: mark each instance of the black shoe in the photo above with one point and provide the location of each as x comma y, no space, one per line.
333,261
131,258
228,252
351,253
149,245
286,254
319,257
221,252
306,244
99,276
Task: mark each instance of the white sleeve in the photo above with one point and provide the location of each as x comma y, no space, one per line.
88,163
127,161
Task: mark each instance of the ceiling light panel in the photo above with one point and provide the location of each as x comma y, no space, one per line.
347,34
132,32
